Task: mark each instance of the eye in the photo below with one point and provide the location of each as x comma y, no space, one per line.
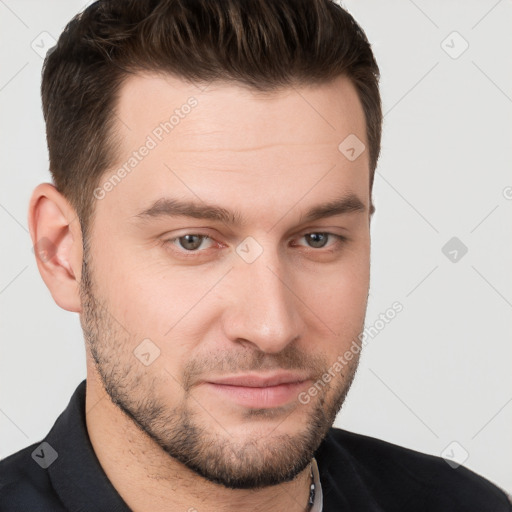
197,244
319,240
189,242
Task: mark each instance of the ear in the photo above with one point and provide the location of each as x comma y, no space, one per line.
57,240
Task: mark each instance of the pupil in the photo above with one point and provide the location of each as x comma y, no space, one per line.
189,242
317,239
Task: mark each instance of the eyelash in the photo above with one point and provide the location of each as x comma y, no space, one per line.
340,240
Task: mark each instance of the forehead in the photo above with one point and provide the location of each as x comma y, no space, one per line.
237,116
235,144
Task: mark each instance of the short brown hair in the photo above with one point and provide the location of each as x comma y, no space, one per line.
262,44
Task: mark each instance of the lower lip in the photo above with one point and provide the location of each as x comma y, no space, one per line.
260,398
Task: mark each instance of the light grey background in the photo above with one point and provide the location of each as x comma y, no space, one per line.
437,378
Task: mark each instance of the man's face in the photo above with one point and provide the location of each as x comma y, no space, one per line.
206,331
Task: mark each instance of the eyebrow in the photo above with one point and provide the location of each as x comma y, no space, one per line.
172,207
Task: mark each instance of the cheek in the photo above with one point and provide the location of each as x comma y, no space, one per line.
338,295
142,295
168,304
340,300
156,303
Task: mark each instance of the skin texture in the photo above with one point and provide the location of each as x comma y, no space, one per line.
166,439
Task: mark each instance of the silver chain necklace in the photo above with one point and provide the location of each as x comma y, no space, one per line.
312,488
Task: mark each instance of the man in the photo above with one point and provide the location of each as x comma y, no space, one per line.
209,220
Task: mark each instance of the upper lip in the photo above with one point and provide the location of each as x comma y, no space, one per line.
260,380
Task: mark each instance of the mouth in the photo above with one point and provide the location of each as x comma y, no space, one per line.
259,391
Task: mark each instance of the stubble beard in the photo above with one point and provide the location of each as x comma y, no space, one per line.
252,463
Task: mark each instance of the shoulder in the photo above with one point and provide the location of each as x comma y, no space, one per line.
25,484
395,476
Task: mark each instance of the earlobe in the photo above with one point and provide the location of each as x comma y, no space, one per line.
57,241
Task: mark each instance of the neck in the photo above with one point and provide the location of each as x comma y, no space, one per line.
149,479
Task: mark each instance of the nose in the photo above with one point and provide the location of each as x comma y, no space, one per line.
263,306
